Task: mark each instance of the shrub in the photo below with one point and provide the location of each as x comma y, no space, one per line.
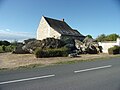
3,48
9,48
114,50
39,53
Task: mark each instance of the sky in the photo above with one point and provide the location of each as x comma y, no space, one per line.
19,19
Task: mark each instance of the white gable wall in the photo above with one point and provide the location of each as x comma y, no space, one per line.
54,34
45,31
107,45
42,30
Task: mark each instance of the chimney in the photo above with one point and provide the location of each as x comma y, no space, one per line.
63,20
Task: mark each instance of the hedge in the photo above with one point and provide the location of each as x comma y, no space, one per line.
58,52
114,50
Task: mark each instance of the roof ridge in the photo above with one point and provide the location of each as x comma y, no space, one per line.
52,19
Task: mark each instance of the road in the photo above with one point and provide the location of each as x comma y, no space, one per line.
94,75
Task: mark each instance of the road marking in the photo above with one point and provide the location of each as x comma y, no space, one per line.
90,69
27,79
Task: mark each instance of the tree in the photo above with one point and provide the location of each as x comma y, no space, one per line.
101,38
6,43
111,37
90,36
0,43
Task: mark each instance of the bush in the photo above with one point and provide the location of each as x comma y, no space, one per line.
114,50
9,48
39,53
1,50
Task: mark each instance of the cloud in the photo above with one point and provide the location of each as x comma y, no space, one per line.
7,29
9,35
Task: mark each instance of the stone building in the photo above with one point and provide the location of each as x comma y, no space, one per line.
58,29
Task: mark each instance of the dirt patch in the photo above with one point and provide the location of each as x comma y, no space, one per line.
8,60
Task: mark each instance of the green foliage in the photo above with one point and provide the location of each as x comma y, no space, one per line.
101,38
4,48
114,50
6,43
9,48
1,50
111,37
39,53
89,36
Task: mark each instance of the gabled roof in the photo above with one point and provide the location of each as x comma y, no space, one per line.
62,27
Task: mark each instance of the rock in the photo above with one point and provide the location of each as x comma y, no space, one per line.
88,40
19,50
88,46
78,44
31,46
43,44
91,49
70,44
52,43
29,40
72,55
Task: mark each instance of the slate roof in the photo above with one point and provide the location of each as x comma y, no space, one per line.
62,27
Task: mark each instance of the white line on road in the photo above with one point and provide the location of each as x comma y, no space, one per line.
27,79
90,69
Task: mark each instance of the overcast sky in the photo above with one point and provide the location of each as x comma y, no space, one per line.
19,19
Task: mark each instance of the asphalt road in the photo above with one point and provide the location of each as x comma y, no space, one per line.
95,75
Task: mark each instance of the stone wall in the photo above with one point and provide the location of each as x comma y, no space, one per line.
109,44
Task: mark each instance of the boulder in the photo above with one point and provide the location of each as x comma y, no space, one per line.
78,44
52,43
72,55
29,40
70,44
88,40
31,46
91,49
43,44
19,50
89,46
